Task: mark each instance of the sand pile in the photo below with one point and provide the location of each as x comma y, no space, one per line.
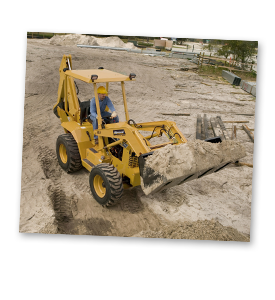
80,39
199,230
180,161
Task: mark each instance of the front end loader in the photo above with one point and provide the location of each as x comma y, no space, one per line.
118,160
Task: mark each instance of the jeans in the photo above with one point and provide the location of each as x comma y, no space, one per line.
104,115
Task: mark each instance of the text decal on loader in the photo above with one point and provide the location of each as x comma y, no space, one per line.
119,132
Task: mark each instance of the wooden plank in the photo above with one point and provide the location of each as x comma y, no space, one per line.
245,114
213,124
238,93
244,164
219,130
235,121
189,92
205,124
234,132
167,114
248,99
238,128
225,133
223,112
249,133
202,129
221,101
206,84
216,128
199,127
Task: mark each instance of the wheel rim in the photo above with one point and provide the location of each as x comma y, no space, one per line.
63,153
99,186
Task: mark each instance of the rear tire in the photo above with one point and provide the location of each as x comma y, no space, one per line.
67,153
106,184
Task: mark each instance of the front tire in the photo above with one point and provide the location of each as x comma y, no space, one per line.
106,184
67,153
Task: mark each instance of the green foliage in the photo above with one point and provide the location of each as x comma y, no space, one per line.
213,46
208,47
40,35
216,42
254,73
224,51
242,51
217,72
145,44
126,37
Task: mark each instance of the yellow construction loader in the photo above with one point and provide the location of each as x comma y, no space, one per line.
118,159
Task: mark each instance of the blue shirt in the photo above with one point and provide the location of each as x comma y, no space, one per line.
106,102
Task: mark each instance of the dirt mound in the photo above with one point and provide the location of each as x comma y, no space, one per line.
199,230
80,39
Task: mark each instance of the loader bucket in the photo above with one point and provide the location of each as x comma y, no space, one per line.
175,165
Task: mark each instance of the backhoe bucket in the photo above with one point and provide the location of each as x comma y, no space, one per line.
177,164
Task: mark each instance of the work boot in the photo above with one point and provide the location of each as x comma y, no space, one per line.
96,141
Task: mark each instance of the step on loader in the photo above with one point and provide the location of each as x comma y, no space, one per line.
118,160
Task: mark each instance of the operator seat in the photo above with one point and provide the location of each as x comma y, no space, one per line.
84,110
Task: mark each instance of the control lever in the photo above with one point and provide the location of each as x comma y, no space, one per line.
88,133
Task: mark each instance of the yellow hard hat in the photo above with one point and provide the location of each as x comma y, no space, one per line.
102,90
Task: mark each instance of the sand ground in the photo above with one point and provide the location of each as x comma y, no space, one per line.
216,207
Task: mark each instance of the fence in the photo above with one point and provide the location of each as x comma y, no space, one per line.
229,64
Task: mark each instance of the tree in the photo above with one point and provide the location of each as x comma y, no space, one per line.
224,51
213,45
242,51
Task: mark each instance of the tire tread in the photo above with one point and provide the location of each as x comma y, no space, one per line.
75,162
115,182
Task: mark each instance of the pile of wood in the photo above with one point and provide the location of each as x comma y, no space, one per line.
214,127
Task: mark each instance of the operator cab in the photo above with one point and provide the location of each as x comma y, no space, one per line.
100,76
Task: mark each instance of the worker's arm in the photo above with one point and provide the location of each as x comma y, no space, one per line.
110,104
93,111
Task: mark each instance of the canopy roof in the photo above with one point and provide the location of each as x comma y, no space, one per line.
103,75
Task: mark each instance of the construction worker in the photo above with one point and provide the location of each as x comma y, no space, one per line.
104,101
